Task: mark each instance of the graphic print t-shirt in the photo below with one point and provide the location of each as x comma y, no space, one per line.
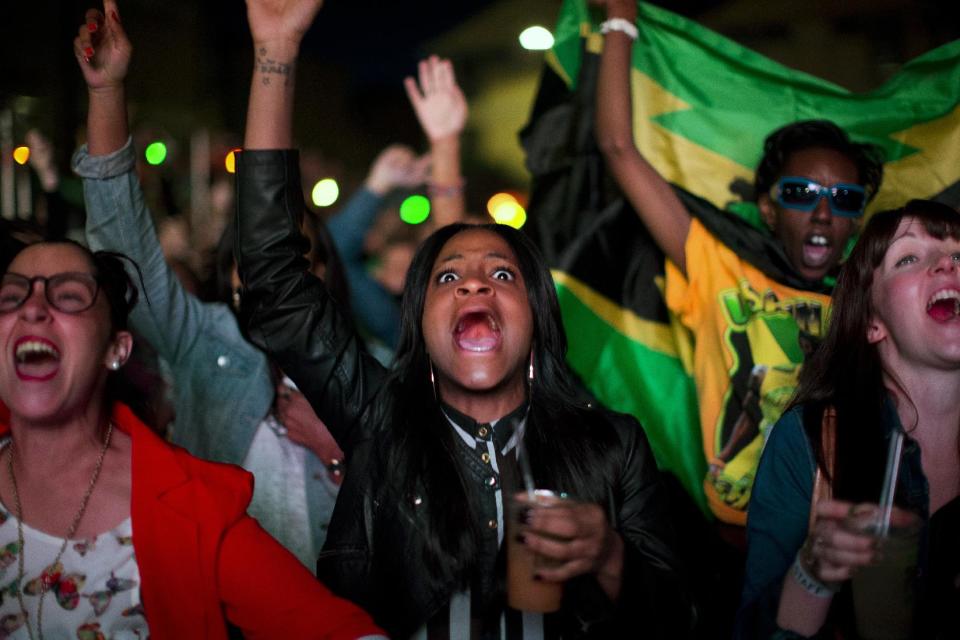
751,335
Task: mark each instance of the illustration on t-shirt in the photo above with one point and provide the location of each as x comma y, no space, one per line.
768,339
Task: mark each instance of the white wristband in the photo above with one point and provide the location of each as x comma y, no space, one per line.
810,583
622,25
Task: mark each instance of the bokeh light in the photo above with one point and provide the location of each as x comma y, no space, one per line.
325,192
498,199
155,153
510,214
21,154
536,38
414,209
230,162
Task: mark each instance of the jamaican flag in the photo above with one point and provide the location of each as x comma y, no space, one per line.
702,106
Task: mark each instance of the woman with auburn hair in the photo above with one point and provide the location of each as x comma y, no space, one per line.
890,364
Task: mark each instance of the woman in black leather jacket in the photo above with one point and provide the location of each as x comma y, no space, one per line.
416,533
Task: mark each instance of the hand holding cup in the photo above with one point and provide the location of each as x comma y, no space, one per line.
556,538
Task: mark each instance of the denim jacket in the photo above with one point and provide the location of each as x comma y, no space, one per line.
222,383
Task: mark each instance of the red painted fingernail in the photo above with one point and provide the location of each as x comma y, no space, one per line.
113,14
92,27
88,52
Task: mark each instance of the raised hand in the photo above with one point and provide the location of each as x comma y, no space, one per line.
437,100
834,550
281,20
397,166
42,161
304,428
102,48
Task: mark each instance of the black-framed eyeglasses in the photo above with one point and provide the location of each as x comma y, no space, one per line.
69,292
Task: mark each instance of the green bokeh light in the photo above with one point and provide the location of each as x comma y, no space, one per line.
156,153
414,209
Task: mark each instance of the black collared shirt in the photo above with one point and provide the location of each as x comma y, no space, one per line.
486,451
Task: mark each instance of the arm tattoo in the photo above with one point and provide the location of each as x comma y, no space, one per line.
267,67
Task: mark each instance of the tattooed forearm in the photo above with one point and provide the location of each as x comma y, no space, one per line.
268,67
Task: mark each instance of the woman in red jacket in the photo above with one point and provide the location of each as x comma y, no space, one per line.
105,529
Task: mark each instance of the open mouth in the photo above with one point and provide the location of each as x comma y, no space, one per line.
816,250
944,305
36,358
477,331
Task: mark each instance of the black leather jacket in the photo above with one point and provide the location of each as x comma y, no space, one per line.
290,315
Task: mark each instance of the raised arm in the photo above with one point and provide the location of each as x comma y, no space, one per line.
646,190
288,311
277,27
373,306
117,215
103,52
442,112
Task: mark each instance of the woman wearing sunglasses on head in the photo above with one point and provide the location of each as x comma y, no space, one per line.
106,529
753,321
889,365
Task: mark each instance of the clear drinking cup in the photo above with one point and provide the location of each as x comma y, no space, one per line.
884,592
523,592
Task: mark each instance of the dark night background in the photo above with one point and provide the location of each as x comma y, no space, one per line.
192,64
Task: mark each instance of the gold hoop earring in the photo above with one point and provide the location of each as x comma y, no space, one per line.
433,381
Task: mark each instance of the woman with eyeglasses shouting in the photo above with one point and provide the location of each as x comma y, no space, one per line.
753,321
104,528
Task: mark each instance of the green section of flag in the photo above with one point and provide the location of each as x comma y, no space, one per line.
737,96
703,105
626,375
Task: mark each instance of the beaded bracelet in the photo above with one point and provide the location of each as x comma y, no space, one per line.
810,583
622,25
444,191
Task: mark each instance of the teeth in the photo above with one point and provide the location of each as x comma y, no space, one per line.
946,294
491,321
30,347
820,241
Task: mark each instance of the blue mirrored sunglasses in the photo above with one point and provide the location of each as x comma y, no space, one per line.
803,194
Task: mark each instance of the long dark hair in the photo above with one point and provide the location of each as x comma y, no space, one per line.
845,371
421,456
322,251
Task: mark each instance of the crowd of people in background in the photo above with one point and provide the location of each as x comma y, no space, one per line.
287,424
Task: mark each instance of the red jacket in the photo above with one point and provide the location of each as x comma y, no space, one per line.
203,560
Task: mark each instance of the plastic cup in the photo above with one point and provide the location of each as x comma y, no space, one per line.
884,592
523,592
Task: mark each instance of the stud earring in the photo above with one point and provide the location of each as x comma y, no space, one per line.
530,370
115,365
